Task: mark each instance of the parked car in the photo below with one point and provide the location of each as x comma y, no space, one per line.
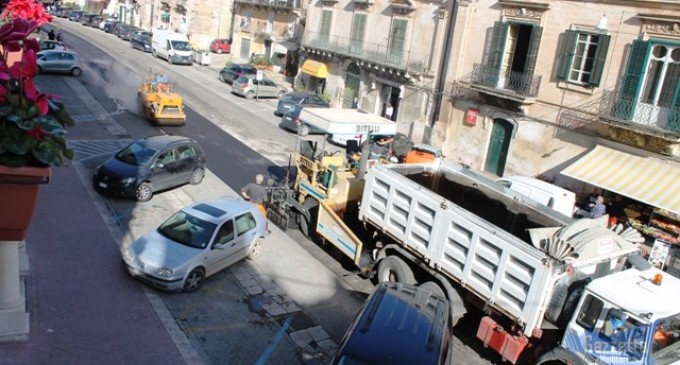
250,87
141,40
197,242
85,19
102,25
63,12
110,27
120,28
59,61
150,165
399,324
47,44
543,192
232,72
126,32
75,15
299,98
220,46
95,21
291,121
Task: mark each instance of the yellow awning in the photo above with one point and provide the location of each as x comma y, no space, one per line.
649,180
315,68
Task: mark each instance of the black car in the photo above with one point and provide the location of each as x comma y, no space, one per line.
291,121
400,324
126,33
141,40
299,99
85,19
233,72
149,165
75,15
110,27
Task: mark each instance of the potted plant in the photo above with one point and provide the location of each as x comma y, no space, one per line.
263,63
32,124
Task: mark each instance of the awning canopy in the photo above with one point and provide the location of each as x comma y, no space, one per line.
315,68
646,179
284,47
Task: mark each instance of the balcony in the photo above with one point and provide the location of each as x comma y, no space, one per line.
620,109
513,85
276,4
378,53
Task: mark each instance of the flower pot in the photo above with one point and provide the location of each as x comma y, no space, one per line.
19,187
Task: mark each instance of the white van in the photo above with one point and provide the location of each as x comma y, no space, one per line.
171,46
552,196
347,124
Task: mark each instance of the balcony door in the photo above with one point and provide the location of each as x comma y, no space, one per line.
514,47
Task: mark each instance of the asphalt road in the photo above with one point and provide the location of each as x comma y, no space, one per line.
225,320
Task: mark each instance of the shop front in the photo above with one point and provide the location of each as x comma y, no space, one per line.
650,188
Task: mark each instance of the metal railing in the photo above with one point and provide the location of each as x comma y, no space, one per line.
368,51
512,82
615,107
287,4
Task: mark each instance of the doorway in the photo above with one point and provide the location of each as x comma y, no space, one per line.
499,143
352,83
390,96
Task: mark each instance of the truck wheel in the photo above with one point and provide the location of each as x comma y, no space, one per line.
433,288
308,228
394,269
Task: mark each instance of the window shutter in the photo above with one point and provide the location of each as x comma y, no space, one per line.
491,72
632,79
325,27
532,54
674,115
358,31
566,55
397,40
600,58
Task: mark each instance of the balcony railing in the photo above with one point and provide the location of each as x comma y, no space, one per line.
509,82
285,4
625,110
368,51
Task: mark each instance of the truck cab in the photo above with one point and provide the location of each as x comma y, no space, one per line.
631,317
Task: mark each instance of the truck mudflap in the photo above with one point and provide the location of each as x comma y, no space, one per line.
508,345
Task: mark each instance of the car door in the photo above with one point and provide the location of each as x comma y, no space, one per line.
186,161
232,242
164,172
267,88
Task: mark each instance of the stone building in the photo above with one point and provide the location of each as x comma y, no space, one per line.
535,87
380,52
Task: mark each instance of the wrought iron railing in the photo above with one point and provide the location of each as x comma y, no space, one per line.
287,4
623,109
511,82
378,53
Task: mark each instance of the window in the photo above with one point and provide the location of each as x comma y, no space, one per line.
166,157
245,223
650,91
590,312
358,31
226,233
397,41
582,58
325,28
186,152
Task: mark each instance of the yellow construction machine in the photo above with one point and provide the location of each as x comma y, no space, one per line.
160,104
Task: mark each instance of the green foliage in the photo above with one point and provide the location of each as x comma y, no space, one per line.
326,96
263,61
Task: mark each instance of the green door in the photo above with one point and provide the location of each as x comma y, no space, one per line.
497,154
352,82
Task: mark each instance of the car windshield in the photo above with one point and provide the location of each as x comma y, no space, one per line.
188,230
136,154
291,99
181,46
666,346
242,80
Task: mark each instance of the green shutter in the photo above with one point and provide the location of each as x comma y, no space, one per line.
532,54
491,72
325,27
397,41
632,79
674,115
566,55
600,58
358,31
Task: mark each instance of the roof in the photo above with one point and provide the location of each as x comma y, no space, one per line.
400,324
347,121
157,142
634,291
646,179
214,210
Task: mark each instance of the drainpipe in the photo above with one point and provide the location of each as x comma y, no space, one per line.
446,55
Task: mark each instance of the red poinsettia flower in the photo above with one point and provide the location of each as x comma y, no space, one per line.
27,9
37,133
27,68
14,33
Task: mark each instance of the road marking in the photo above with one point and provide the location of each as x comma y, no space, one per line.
272,346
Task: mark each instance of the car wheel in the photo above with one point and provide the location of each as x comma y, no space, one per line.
76,71
144,192
255,248
394,269
197,176
280,95
222,78
153,53
304,130
250,95
219,51
194,280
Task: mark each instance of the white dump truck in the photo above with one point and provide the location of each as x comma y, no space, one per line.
552,290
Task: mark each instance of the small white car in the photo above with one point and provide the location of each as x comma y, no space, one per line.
197,242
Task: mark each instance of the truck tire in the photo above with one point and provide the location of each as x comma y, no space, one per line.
433,288
394,269
308,228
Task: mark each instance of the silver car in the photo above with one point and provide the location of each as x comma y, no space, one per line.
59,61
197,242
250,87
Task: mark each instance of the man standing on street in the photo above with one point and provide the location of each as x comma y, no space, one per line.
256,193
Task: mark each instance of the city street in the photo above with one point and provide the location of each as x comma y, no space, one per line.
291,305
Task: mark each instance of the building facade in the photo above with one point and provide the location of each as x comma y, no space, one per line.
534,86
376,54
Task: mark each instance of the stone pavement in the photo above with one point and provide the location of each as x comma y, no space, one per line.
85,309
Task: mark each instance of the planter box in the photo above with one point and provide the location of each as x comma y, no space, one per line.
19,187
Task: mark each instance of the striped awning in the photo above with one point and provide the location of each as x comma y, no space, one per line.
646,179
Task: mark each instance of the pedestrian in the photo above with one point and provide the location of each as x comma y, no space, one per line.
389,110
256,193
355,103
50,35
60,38
596,210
